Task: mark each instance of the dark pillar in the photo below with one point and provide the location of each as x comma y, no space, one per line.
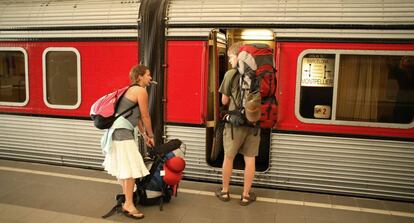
152,43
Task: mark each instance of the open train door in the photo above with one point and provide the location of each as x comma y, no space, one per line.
220,41
217,67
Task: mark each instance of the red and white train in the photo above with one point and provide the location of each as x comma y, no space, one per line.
345,84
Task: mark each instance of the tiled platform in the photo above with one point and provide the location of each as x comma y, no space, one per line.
46,193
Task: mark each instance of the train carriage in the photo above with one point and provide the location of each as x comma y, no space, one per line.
345,84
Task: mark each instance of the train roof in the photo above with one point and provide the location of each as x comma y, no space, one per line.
118,18
58,18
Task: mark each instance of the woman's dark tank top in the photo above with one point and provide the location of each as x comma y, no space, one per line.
132,116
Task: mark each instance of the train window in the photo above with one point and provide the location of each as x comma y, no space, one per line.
356,88
14,87
317,85
61,77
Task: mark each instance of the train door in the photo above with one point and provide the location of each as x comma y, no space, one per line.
217,67
220,41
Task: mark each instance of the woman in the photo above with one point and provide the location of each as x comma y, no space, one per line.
123,160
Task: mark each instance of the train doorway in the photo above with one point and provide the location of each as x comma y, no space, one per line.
220,41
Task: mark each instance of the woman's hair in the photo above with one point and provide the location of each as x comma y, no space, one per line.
234,48
137,70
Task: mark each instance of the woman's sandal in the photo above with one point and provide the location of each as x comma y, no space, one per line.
246,200
135,215
223,196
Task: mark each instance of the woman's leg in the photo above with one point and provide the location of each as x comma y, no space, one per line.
128,189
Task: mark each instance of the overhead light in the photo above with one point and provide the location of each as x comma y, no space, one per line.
221,37
257,34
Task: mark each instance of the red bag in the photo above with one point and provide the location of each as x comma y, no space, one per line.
259,59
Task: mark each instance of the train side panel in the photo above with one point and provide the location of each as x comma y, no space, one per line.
287,74
185,82
104,67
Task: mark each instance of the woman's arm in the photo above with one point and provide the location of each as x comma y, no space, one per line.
142,98
141,127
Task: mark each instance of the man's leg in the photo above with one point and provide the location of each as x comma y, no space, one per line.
250,168
227,169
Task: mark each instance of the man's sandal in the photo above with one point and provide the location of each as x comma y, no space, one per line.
246,200
223,196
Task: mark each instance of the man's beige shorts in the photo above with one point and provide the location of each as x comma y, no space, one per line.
244,141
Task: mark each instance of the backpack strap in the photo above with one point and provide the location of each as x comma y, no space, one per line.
274,92
119,101
120,199
236,74
145,180
232,96
127,110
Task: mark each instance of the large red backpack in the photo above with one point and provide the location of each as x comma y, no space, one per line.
256,62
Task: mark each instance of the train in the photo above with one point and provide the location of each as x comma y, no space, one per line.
344,70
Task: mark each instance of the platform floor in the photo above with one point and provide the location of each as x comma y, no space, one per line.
43,193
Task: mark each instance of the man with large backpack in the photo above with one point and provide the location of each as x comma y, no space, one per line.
237,137
249,93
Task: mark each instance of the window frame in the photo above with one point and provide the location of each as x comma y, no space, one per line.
26,76
78,69
338,53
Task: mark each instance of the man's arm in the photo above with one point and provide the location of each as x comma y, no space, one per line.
225,99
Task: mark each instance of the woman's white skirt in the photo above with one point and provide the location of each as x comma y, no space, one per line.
124,160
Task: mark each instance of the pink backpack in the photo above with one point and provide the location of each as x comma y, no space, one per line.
103,110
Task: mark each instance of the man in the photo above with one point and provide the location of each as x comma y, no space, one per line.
237,137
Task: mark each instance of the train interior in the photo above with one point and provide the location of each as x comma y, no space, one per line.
220,41
12,77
